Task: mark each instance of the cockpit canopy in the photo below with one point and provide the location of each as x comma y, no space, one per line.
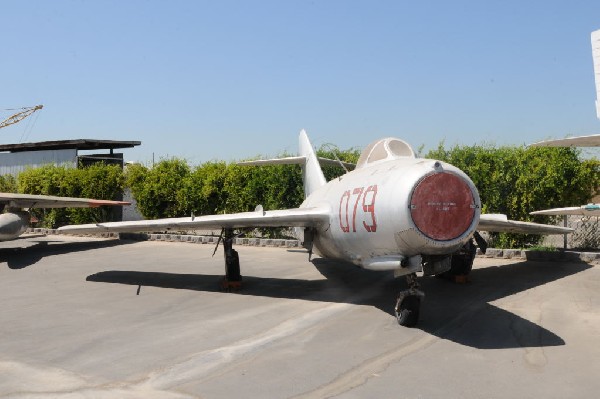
385,150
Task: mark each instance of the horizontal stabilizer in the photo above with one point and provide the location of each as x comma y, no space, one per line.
500,223
275,161
296,161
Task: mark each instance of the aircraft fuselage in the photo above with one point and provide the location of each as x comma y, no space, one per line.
385,213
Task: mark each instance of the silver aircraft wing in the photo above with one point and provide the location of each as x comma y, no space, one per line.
500,223
579,141
296,217
583,210
13,200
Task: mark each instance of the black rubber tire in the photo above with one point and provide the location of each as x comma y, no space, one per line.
232,267
461,265
407,313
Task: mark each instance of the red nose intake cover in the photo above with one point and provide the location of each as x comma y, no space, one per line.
442,206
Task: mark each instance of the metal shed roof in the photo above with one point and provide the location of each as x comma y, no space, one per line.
79,144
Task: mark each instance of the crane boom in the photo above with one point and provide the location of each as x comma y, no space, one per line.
19,116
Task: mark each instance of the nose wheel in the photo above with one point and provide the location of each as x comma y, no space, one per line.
408,303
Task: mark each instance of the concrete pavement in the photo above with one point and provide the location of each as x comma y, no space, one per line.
104,318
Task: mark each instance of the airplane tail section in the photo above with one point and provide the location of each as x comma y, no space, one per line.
312,175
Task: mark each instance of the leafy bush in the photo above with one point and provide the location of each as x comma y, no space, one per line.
174,188
156,189
510,180
517,180
203,190
8,184
96,181
332,152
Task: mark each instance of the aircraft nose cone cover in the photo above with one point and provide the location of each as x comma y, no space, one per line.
442,206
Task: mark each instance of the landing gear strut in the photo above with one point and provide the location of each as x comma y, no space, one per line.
233,279
462,262
409,302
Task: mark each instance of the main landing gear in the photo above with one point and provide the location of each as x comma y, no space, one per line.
462,260
409,302
461,264
233,279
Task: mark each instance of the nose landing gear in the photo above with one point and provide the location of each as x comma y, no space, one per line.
408,303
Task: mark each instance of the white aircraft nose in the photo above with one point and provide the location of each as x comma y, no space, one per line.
443,206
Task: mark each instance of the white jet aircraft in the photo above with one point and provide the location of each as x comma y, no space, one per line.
16,218
394,212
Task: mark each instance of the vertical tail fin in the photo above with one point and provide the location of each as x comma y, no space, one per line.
312,175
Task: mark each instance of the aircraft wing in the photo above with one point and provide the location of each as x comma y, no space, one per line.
584,210
13,200
500,223
296,217
580,141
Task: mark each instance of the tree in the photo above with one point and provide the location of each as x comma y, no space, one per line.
98,181
156,189
517,180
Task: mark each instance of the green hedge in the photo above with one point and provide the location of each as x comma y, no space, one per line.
8,184
518,180
98,181
511,180
173,188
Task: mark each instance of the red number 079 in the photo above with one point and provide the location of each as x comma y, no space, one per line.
349,206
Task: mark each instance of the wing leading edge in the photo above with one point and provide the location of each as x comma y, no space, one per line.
579,141
13,200
500,223
296,217
583,210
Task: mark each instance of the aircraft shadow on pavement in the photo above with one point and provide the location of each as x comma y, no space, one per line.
457,312
22,257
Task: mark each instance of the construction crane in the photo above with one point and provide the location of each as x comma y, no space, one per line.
19,116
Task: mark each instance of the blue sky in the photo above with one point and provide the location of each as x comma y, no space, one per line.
230,79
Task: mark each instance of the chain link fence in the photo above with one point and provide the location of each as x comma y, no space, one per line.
586,235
